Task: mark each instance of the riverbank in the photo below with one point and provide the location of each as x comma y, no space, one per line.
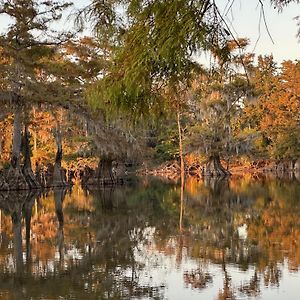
171,169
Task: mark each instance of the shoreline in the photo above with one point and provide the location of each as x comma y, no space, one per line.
171,170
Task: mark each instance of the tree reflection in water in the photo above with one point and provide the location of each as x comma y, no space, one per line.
113,243
94,250
59,196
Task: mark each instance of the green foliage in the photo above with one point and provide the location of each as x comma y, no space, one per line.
287,145
219,97
154,51
111,95
167,145
30,46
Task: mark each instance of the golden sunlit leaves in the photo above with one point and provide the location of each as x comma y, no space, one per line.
275,115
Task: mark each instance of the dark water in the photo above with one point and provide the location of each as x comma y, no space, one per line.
240,240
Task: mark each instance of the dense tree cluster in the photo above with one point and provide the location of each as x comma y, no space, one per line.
139,67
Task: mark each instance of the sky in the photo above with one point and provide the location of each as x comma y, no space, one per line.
245,15
244,21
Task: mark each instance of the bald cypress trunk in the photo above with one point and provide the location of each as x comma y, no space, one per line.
27,167
17,138
105,173
15,178
214,168
59,177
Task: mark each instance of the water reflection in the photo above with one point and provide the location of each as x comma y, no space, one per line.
238,239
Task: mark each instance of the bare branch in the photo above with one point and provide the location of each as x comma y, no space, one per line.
265,21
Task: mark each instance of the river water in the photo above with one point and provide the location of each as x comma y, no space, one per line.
238,239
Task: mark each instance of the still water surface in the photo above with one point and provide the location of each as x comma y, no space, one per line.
240,239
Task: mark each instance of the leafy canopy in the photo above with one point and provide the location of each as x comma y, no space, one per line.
28,44
152,45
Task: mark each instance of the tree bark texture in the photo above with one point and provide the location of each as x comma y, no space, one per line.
27,167
105,173
14,177
214,168
17,137
59,177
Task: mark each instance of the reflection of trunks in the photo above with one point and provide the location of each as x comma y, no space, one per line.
240,236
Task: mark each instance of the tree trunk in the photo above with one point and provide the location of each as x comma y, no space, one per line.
27,168
59,177
15,178
214,168
181,172
105,173
297,165
4,186
17,138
